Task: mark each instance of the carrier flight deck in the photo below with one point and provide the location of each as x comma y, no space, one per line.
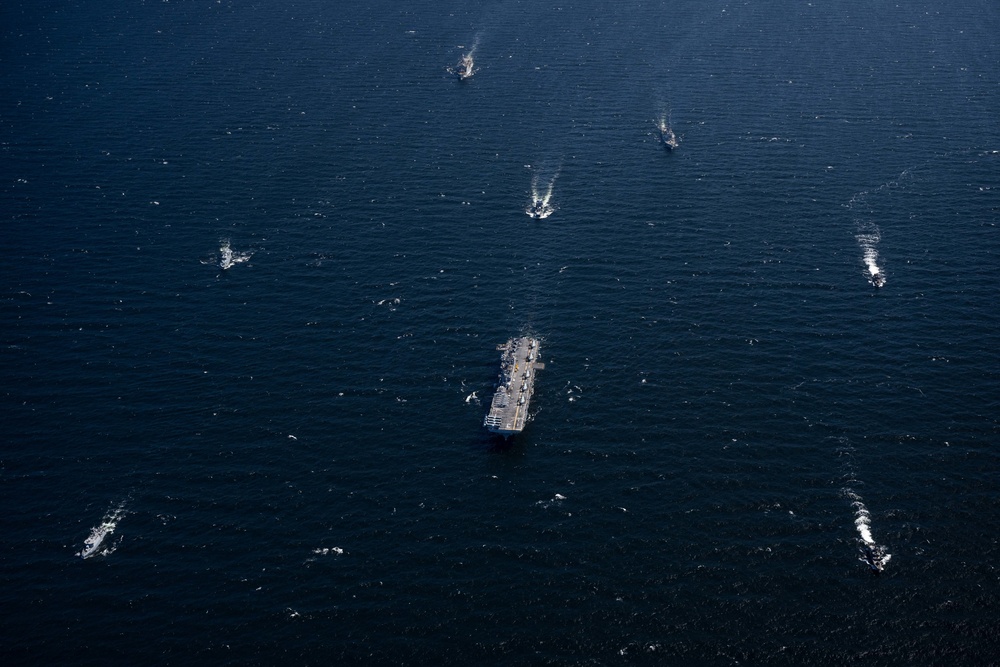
509,408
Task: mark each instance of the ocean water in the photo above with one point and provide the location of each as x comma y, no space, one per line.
257,256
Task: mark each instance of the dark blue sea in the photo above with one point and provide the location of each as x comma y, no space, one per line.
256,258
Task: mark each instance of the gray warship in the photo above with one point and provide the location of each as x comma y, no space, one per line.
509,408
465,68
667,136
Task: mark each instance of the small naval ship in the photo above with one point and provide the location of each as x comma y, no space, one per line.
539,210
667,136
226,256
465,67
509,407
874,557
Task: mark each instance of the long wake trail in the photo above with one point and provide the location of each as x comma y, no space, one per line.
466,66
867,233
872,554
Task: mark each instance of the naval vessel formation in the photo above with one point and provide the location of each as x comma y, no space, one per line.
509,408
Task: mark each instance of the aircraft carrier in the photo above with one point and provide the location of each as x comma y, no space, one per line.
509,408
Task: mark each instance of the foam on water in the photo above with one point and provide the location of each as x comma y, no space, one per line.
555,501
868,234
868,237
326,551
466,66
872,554
97,543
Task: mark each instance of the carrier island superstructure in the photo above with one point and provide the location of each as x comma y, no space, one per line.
509,408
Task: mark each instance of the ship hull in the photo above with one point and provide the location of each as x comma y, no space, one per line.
508,413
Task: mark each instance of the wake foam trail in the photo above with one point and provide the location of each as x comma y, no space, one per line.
874,555
862,518
98,542
466,66
868,237
868,234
